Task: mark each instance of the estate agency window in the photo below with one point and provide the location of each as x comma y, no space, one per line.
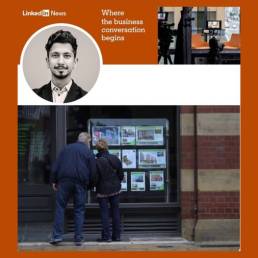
144,139
141,145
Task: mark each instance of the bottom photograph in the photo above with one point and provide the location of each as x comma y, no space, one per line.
129,178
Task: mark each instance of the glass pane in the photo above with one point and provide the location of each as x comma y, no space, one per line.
232,22
133,131
141,145
211,15
199,22
194,22
34,144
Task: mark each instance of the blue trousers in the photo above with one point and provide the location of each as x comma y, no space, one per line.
115,215
65,190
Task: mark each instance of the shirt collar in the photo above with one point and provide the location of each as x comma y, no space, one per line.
66,88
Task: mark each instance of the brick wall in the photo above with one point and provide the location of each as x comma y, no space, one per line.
213,152
218,166
211,205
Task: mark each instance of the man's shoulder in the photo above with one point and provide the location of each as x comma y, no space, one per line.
79,89
79,146
43,88
75,145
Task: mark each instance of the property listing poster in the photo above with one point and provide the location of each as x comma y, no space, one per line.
109,133
138,181
129,158
128,135
149,135
156,180
152,158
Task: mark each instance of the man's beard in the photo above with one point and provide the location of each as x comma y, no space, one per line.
62,74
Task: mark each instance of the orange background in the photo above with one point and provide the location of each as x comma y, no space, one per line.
17,29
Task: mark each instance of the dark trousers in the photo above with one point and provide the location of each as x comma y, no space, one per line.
64,192
115,215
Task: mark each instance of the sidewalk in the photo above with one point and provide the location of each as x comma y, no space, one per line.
134,244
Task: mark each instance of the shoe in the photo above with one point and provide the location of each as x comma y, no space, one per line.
116,239
78,240
78,243
104,240
55,241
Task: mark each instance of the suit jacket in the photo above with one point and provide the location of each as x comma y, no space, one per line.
73,94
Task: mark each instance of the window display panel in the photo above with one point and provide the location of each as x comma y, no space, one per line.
134,141
85,118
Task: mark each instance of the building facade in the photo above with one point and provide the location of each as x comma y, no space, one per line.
181,167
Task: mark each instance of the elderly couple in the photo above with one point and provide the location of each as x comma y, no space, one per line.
72,174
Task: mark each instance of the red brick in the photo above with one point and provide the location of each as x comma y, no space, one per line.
214,152
211,109
211,205
186,109
187,204
218,109
218,152
218,207
187,152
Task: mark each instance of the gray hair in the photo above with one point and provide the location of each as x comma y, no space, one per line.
84,137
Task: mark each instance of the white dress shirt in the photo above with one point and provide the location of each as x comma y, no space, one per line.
58,94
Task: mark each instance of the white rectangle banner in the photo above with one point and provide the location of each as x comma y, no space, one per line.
153,85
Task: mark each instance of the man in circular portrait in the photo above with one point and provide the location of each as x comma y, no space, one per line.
60,64
61,59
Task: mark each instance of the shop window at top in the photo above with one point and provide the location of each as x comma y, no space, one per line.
199,22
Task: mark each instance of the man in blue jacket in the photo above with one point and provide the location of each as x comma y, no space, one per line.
71,174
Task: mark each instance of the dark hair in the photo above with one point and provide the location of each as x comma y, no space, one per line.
62,36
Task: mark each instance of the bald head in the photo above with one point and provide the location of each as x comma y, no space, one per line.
84,138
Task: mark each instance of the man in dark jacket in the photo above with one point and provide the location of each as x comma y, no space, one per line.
70,176
49,92
61,60
108,185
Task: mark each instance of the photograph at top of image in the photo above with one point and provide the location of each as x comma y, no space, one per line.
199,35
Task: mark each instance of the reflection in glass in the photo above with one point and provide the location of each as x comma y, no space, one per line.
34,144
